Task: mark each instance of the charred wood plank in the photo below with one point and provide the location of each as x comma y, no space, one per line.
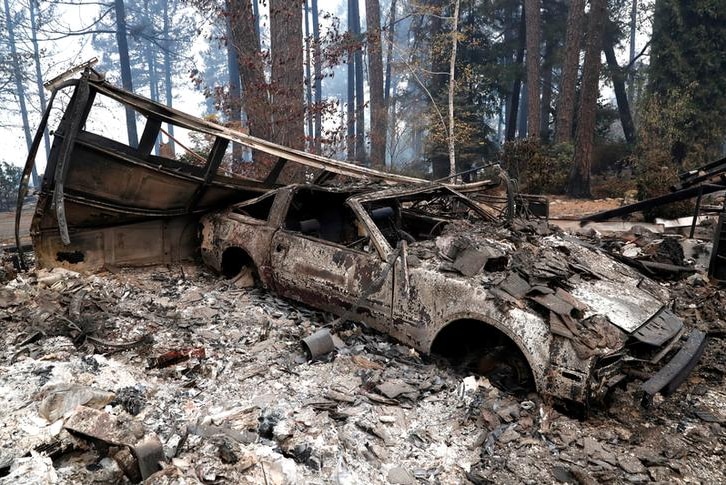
677,196
149,136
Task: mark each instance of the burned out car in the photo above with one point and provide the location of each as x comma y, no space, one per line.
433,268
438,272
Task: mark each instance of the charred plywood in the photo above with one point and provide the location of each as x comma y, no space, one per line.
140,244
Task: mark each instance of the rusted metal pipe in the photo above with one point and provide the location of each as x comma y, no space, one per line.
319,344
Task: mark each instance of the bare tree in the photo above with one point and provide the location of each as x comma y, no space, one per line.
375,78
618,78
318,73
532,20
308,76
126,82
452,88
234,103
168,98
34,12
19,85
631,59
389,54
350,138
513,104
360,121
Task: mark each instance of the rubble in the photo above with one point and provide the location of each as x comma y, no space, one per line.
256,409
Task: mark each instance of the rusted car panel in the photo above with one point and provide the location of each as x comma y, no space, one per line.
577,317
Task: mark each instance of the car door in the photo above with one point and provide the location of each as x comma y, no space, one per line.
311,263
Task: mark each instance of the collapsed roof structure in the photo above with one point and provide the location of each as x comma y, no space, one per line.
105,201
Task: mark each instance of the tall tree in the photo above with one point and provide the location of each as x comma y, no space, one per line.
688,61
514,98
618,78
631,46
390,35
350,85
318,73
452,88
308,78
286,46
256,99
532,20
34,14
168,98
579,181
234,103
545,107
127,83
570,66
19,84
360,117
437,39
379,115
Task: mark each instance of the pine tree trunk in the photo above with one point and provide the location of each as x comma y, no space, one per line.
532,18
17,75
234,103
618,78
360,117
256,92
389,51
38,77
287,72
439,68
570,65
523,114
631,59
452,89
579,182
153,85
350,120
516,86
546,106
318,70
168,98
126,82
379,116
308,79
256,24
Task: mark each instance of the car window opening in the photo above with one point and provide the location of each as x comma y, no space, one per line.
324,215
419,217
259,210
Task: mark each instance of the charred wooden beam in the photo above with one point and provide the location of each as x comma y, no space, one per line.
677,196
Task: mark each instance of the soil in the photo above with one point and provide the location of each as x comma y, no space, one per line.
567,207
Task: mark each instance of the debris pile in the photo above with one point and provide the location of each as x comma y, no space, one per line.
171,374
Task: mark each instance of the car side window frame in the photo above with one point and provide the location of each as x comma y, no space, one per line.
289,193
250,219
379,241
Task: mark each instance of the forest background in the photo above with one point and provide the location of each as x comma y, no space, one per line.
585,98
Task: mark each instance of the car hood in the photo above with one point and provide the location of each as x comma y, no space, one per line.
563,274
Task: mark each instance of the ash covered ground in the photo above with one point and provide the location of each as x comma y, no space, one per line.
216,374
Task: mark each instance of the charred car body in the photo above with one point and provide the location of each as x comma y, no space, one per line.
440,271
431,268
